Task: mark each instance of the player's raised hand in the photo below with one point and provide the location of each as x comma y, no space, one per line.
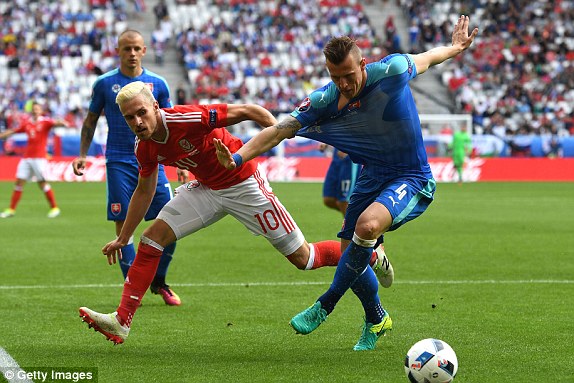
223,154
78,165
460,35
112,250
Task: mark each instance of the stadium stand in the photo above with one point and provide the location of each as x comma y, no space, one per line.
520,78
52,51
264,52
518,81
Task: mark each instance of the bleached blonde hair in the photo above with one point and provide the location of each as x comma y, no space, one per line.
132,90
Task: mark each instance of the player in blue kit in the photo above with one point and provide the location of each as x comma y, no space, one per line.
121,164
368,112
340,180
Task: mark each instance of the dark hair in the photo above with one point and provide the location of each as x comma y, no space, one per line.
338,48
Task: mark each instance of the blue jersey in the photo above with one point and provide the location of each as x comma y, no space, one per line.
379,128
340,178
120,141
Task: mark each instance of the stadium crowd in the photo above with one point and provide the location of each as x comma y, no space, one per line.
51,52
518,79
264,52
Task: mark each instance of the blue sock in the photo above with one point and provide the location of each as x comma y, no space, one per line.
353,262
128,256
366,288
164,262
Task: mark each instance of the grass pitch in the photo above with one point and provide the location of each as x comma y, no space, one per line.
489,268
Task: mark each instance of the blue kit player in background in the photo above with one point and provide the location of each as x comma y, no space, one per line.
340,179
368,112
121,164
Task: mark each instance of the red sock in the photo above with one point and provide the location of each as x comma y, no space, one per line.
328,253
50,196
16,194
138,280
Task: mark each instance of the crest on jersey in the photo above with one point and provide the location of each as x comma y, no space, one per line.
192,184
116,208
185,144
354,105
149,85
116,88
304,105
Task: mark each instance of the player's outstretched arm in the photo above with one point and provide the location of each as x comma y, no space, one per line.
7,133
62,122
262,142
87,135
461,40
242,112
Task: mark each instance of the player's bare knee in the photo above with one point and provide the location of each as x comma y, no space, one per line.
160,232
368,230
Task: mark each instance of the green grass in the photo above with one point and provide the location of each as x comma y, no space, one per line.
495,259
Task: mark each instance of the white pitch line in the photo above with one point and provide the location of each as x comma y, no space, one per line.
10,369
302,283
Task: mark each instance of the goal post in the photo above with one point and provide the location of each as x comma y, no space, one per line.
438,129
437,122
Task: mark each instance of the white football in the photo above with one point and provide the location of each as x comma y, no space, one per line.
431,361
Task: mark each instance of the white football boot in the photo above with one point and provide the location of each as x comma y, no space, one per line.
106,324
383,268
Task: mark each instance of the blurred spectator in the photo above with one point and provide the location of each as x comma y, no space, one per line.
552,147
160,11
180,96
158,43
139,6
414,36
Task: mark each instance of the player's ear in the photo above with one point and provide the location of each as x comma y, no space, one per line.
363,63
144,50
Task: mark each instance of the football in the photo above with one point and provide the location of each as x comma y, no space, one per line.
431,361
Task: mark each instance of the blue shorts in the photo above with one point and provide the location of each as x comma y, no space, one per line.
340,179
122,179
405,198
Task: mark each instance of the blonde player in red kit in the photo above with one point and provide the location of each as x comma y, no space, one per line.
37,128
183,136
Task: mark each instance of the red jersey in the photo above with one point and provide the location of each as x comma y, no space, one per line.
37,132
189,145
